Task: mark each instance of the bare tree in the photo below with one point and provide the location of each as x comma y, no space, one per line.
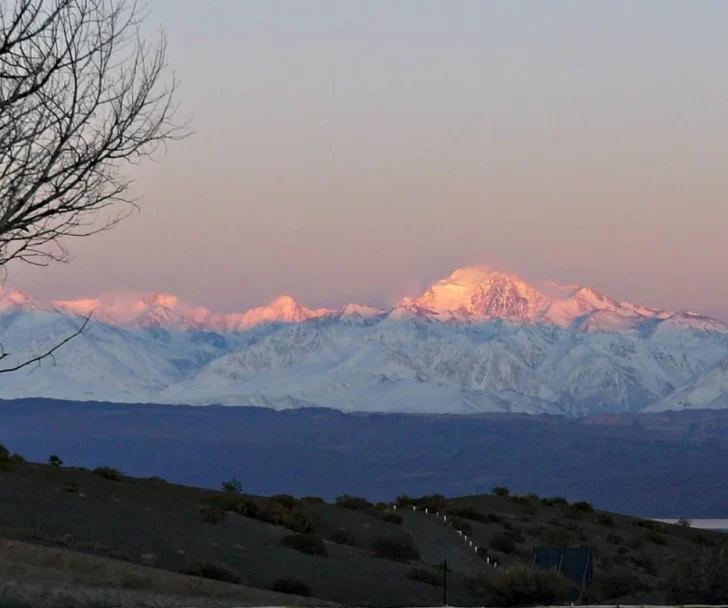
82,95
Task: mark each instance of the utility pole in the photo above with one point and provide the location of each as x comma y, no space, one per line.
444,584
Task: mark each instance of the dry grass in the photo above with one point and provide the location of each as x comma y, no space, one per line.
49,577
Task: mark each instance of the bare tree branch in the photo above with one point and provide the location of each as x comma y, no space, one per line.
45,355
82,95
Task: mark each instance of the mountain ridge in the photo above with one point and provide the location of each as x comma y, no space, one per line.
479,340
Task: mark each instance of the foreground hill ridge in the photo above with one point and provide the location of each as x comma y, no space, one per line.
169,538
479,340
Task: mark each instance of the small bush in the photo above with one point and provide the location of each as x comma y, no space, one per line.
292,586
392,518
554,501
645,562
404,501
461,525
312,544
604,519
4,453
431,502
583,506
295,520
55,461
556,537
109,473
427,576
656,537
501,491
685,522
398,548
614,585
313,500
17,459
211,515
475,515
234,486
215,571
521,586
503,543
236,503
613,538
355,503
342,536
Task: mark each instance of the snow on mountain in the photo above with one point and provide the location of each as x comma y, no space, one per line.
479,340
709,390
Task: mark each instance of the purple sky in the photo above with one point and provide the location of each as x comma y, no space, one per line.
354,151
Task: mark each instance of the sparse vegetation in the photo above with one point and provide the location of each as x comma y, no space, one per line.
520,586
55,461
685,522
109,473
214,570
396,547
292,586
701,578
503,542
355,503
342,536
392,517
211,515
501,491
309,543
233,486
427,576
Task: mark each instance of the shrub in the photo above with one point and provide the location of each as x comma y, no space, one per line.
475,515
234,486
645,562
236,503
613,538
604,519
685,522
17,459
501,491
427,576
583,506
109,473
214,570
396,547
292,586
355,503
702,578
521,586
554,500
309,543
556,537
211,515
392,518
503,543
4,453
295,520
431,502
656,537
313,500
404,501
461,525
55,461
614,585
342,536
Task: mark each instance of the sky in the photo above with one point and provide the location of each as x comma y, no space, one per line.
356,151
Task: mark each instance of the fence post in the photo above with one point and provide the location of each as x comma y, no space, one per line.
444,584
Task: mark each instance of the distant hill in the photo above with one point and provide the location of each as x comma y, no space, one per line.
653,465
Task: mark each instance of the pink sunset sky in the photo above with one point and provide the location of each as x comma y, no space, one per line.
356,151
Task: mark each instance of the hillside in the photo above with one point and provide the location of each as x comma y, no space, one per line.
353,552
476,341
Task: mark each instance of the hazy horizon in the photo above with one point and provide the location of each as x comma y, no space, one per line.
351,151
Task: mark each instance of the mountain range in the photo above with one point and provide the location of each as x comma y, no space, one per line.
479,340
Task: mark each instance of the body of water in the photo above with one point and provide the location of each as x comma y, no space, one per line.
719,525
